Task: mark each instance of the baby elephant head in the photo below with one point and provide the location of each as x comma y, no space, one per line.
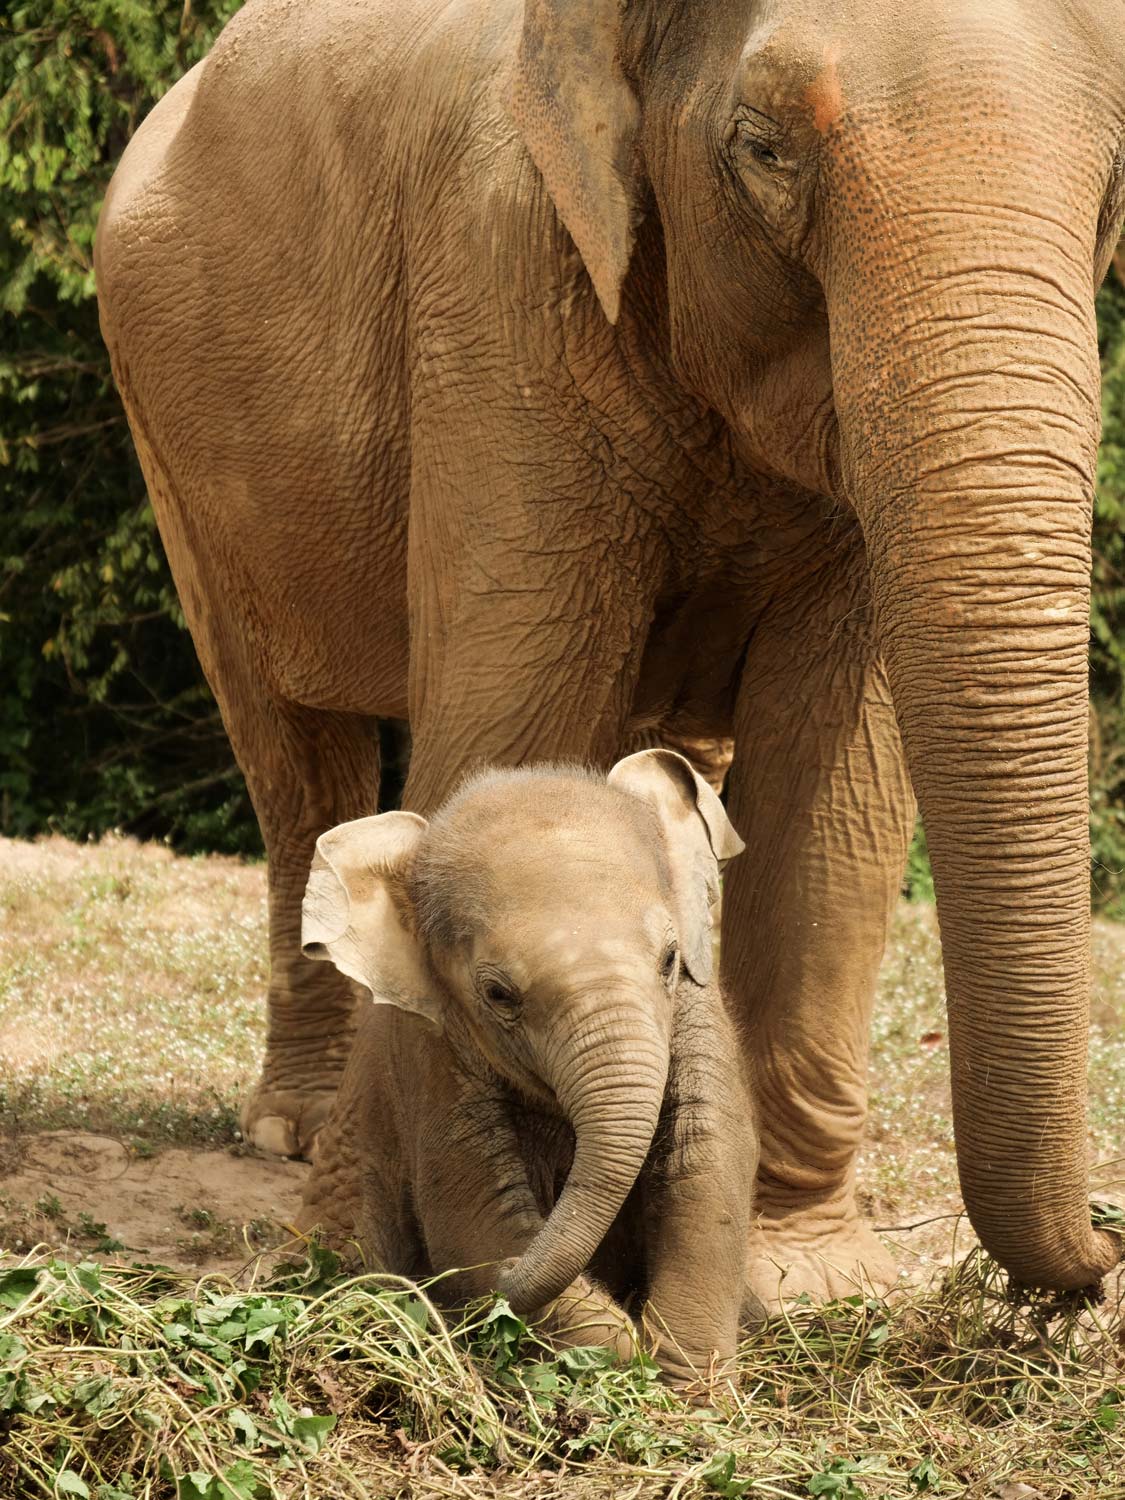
545,917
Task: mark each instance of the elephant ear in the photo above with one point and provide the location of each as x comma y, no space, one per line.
356,912
578,117
699,838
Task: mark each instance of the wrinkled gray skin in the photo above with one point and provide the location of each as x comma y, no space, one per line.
551,372
549,1072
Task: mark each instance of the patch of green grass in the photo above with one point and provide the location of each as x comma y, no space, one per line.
132,987
137,1381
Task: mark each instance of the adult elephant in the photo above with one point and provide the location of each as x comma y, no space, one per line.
548,374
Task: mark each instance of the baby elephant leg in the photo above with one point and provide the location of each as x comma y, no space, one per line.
699,1202
587,1316
354,1197
479,1213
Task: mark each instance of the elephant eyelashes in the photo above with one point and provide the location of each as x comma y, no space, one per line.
669,964
758,138
499,995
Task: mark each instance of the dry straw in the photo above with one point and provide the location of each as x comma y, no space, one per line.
134,1381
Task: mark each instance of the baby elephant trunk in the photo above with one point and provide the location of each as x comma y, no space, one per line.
611,1087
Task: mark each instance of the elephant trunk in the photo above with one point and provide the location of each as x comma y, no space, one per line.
611,1088
966,389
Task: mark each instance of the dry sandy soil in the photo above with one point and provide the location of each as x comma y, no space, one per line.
131,1022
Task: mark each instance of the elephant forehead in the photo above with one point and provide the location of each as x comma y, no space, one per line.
570,861
557,942
821,61
824,94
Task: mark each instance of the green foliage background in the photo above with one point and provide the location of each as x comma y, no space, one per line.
1107,614
105,720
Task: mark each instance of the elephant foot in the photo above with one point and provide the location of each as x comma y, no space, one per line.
699,1380
586,1315
285,1122
815,1255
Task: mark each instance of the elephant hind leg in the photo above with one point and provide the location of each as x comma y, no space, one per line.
307,770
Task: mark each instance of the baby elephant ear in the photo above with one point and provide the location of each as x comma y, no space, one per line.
699,840
356,912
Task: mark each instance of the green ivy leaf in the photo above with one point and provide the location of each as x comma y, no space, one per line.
17,1285
244,1424
837,1481
720,1476
312,1432
925,1475
585,1357
96,1394
263,1325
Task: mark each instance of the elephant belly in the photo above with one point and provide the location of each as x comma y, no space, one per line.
693,658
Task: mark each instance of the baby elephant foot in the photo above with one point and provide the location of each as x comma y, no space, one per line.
285,1122
586,1316
697,1375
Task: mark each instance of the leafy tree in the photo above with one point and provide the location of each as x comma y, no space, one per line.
104,717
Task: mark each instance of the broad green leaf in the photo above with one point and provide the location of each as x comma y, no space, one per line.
67,1482
17,1285
312,1432
587,1357
719,1475
244,1423
263,1324
96,1394
12,1350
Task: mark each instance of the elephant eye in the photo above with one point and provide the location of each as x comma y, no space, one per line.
499,994
669,963
760,138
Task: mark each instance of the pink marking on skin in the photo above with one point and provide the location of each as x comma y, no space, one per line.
824,94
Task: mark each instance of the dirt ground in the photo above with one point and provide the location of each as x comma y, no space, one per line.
210,1210
132,1022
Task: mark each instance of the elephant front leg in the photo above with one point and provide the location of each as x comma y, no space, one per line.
820,794
698,1202
478,1214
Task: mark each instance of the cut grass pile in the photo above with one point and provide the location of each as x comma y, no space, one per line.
117,1383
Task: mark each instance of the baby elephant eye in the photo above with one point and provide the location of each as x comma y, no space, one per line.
497,993
669,962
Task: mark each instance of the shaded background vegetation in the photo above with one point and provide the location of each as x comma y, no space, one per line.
105,721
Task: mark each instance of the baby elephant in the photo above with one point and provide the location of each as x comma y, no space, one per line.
550,1082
